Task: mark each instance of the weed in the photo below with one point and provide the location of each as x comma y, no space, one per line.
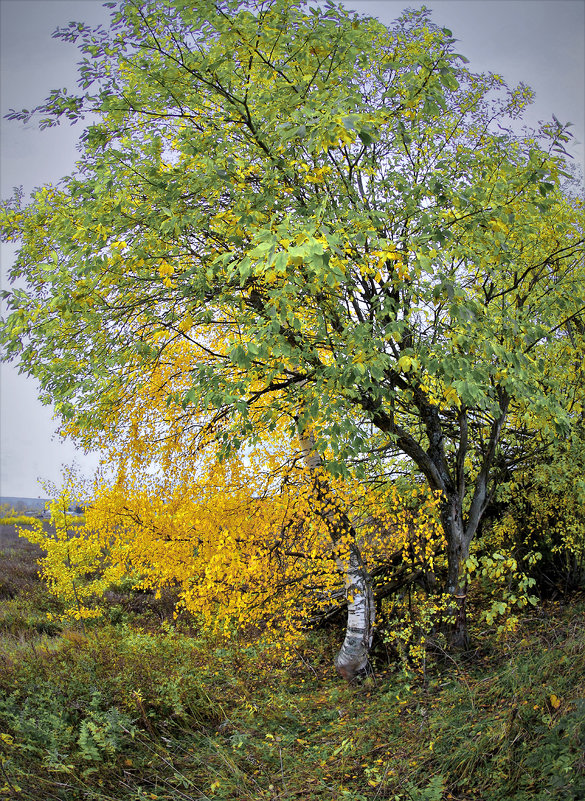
128,713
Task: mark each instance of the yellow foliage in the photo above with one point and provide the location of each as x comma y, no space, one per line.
13,519
249,542
248,545
75,566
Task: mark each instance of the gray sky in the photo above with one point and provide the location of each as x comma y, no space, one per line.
538,42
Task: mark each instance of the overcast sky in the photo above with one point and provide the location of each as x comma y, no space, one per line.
538,42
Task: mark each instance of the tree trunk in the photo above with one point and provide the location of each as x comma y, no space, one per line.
458,543
352,658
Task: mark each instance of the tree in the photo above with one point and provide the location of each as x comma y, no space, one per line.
73,565
252,543
336,219
544,522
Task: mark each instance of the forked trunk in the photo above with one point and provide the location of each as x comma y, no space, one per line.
352,658
459,534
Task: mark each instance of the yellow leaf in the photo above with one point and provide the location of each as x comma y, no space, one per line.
555,702
451,396
165,269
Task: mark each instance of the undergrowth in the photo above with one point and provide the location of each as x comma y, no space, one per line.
143,709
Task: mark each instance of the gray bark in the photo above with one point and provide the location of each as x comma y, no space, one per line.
458,542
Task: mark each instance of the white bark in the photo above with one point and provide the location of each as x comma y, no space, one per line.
361,611
352,658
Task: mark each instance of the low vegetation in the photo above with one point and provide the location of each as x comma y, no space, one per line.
318,300
142,706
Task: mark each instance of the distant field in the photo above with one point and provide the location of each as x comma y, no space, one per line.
9,539
23,504
9,532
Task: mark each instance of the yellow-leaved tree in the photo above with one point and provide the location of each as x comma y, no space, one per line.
264,540
366,267
75,567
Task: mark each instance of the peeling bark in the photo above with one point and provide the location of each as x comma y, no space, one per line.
352,657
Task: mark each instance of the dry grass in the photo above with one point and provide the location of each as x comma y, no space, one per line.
18,567
138,710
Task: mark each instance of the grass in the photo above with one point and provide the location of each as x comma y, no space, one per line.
145,709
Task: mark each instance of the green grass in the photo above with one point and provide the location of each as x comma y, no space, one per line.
134,712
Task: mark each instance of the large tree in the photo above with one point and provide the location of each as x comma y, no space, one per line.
341,224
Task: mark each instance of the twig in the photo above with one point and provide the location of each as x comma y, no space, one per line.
282,769
8,782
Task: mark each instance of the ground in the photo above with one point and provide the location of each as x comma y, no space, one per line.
142,706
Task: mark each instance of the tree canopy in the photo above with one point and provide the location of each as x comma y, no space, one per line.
317,227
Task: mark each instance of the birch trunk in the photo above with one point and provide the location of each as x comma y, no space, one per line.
352,658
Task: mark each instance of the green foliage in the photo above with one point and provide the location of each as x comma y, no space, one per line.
25,618
503,587
529,740
48,726
316,220
126,714
544,521
413,621
131,712
24,601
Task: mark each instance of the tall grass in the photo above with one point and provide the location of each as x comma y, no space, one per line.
140,709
